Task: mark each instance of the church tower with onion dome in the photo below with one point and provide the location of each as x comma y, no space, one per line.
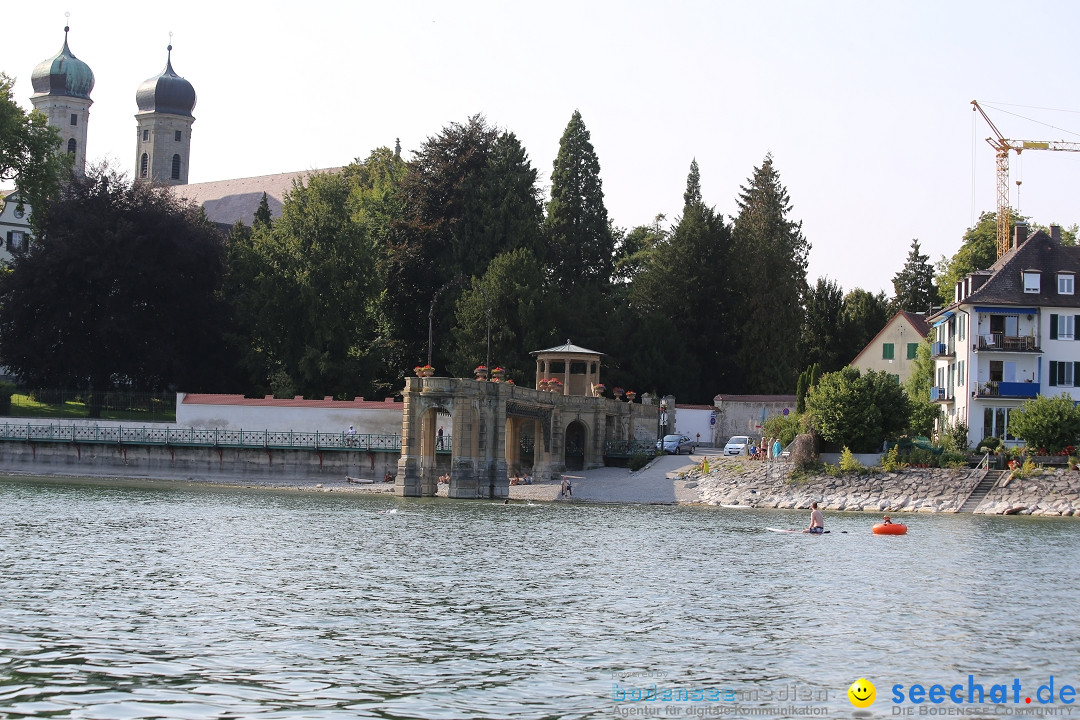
62,86
163,145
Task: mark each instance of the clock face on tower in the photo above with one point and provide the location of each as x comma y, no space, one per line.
19,212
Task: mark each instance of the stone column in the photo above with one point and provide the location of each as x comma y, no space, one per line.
407,483
463,468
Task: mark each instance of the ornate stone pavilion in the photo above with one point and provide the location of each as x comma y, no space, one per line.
498,428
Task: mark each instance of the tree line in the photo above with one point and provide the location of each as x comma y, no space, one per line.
129,285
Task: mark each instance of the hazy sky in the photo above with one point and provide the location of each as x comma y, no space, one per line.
863,105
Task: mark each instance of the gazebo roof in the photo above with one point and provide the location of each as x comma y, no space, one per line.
568,348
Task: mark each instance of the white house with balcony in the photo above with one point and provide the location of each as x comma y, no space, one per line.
1010,334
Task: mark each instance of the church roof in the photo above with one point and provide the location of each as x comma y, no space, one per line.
166,93
63,75
568,348
226,201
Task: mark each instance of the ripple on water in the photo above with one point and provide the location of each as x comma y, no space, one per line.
171,601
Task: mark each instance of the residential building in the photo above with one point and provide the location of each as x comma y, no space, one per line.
14,226
893,350
1010,334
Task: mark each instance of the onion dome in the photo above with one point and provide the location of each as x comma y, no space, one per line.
166,93
63,74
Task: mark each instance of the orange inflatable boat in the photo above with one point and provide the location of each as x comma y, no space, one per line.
890,529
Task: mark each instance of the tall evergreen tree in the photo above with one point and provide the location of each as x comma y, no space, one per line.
581,244
914,284
692,195
682,291
774,252
822,342
862,317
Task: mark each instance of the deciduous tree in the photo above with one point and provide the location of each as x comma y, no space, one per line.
119,289
29,150
858,410
1047,423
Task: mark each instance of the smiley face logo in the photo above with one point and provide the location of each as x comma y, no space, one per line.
862,693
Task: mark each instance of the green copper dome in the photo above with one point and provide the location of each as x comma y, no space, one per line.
63,74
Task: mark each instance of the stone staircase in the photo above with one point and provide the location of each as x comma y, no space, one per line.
981,489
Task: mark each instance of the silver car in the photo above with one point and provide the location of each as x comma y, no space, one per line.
737,445
675,444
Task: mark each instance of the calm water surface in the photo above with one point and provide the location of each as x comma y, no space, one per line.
128,601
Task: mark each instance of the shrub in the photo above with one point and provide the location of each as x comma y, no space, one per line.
954,436
848,462
6,391
892,461
638,460
1047,422
990,444
783,427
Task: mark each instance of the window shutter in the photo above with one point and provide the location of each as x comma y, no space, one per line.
1076,327
1053,326
1053,373
10,233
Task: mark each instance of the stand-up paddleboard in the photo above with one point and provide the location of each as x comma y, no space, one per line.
795,532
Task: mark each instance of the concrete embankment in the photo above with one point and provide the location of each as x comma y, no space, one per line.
266,467
740,481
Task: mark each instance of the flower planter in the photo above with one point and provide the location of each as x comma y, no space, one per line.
497,374
481,373
630,396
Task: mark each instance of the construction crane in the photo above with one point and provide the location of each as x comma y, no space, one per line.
1002,146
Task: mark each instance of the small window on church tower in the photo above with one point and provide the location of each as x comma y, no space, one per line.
145,135
144,164
178,136
71,146
74,119
175,167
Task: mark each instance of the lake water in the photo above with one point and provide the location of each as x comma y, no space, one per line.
130,600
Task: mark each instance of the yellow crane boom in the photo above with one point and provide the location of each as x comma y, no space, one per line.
1002,146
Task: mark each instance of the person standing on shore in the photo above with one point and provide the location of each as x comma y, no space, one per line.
817,520
777,448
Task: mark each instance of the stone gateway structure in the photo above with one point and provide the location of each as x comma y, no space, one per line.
497,429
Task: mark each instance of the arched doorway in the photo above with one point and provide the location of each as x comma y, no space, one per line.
575,446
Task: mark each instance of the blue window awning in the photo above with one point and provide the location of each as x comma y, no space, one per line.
944,318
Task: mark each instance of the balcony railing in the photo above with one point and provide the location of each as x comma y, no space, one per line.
1000,389
940,349
1012,343
940,394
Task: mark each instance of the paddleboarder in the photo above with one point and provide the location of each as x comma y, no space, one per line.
817,520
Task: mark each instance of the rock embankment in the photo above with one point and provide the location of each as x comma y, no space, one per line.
744,482
1052,492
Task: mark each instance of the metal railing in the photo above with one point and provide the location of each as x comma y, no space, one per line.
194,437
626,448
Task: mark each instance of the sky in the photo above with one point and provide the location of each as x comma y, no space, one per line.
864,106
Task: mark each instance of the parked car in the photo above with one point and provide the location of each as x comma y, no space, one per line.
676,444
737,445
